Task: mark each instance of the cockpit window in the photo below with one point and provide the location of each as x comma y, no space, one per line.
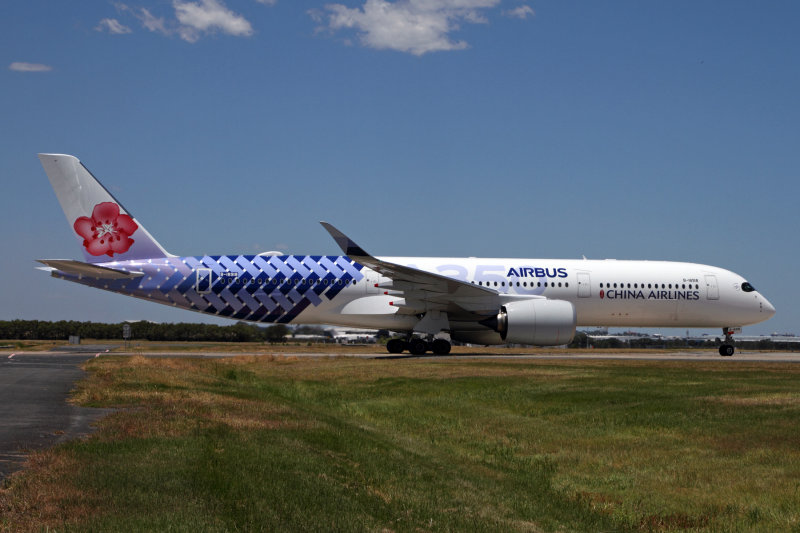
746,287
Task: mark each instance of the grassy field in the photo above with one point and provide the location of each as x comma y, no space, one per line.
266,443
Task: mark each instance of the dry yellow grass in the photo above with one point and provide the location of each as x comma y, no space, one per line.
776,399
43,496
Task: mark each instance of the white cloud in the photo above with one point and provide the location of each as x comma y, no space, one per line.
208,16
29,67
193,19
148,21
521,12
414,26
113,27
152,23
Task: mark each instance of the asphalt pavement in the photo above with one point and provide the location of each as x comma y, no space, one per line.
34,412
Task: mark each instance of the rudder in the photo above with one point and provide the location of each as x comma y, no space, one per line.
105,230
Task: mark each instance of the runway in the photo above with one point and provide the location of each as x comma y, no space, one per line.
33,405
753,357
643,355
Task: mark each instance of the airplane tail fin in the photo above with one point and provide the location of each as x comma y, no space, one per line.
105,230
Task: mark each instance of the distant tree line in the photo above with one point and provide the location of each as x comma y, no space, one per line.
582,340
62,329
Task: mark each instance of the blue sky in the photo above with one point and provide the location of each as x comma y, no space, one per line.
632,130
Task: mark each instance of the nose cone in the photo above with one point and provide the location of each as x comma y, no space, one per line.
767,308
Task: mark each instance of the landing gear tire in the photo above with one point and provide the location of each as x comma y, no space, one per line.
396,346
440,347
726,350
417,346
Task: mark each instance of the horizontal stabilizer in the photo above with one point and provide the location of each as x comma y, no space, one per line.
79,268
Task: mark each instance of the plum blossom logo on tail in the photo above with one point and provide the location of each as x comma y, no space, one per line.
107,232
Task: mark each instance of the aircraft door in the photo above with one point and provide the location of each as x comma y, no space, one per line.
712,289
203,284
584,285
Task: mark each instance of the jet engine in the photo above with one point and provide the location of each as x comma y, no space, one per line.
539,322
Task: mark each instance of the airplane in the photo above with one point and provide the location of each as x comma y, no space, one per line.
430,301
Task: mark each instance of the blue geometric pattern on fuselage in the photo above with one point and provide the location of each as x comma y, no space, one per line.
244,287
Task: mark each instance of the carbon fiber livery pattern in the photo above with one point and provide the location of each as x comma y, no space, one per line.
255,288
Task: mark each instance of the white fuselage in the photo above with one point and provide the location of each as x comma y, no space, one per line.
604,292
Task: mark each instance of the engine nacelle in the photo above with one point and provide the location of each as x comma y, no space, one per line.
537,321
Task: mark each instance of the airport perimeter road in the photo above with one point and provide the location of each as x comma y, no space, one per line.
34,412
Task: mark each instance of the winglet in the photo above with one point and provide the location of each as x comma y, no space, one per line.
348,246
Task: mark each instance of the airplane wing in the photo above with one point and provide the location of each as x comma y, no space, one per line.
80,268
423,291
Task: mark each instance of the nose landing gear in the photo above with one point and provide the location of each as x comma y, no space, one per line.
727,349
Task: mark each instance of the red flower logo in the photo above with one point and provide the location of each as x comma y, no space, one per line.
107,232
602,293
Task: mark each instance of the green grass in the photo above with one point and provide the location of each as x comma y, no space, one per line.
258,443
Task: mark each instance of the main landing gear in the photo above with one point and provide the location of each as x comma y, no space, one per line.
417,346
726,350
